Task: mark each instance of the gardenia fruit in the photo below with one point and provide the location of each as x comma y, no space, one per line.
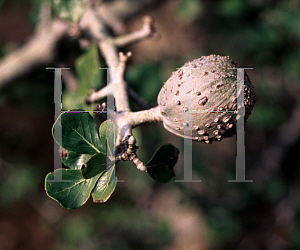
211,82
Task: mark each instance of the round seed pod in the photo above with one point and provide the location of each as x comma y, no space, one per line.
208,85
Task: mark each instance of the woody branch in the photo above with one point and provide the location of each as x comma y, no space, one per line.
41,49
116,62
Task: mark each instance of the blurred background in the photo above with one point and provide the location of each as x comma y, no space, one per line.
141,213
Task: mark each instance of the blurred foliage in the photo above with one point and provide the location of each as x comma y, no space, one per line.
71,10
189,10
19,184
89,76
266,34
145,80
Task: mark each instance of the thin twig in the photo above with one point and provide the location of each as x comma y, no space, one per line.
121,95
91,23
96,96
108,48
150,115
39,50
110,18
102,93
146,31
44,15
113,13
139,100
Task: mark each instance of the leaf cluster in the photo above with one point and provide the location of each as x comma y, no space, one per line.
90,161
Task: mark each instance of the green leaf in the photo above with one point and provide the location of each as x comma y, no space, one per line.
79,133
73,193
107,136
87,68
100,162
105,186
161,165
190,10
69,9
74,160
76,99
94,166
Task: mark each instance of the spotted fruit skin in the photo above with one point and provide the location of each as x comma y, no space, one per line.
211,82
